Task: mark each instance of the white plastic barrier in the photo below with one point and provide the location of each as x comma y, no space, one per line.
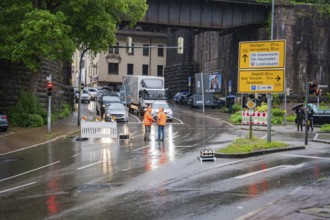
91,129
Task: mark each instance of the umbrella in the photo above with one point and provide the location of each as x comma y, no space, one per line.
298,106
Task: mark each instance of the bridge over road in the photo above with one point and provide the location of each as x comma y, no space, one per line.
208,14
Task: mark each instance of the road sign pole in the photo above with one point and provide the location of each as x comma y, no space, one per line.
269,96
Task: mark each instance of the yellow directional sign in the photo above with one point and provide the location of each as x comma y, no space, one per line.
261,81
261,54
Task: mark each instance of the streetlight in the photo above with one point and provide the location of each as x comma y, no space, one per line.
79,84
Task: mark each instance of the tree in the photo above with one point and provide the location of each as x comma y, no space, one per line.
52,29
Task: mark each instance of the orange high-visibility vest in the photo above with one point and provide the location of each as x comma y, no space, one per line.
162,118
147,119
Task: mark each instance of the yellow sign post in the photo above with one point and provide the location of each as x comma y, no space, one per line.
261,81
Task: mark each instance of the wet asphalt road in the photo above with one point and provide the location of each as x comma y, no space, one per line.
104,179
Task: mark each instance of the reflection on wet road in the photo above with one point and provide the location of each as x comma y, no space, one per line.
136,179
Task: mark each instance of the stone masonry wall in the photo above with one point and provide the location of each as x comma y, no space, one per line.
15,78
307,35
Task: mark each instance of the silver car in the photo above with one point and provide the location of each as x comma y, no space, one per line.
155,109
116,111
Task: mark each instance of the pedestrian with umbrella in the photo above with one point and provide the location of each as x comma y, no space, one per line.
300,115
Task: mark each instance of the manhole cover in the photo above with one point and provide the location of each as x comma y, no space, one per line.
90,187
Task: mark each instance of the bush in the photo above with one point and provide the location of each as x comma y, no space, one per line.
291,118
236,118
35,120
28,111
325,128
236,108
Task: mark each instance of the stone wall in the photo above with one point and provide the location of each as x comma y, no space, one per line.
15,78
307,35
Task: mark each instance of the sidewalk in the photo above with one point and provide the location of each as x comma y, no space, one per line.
20,138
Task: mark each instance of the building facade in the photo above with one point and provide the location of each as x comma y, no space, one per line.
147,57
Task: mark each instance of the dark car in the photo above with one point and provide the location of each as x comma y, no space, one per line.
321,116
209,99
104,100
3,121
177,97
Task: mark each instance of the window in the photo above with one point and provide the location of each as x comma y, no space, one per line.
160,50
132,50
160,70
113,68
145,49
130,68
113,50
145,69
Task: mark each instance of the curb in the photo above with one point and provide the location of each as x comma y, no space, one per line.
257,153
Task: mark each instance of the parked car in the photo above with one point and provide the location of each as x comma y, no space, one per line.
93,92
104,100
321,116
155,108
116,111
3,121
185,98
177,97
209,99
84,97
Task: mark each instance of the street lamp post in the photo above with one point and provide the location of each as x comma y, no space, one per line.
79,85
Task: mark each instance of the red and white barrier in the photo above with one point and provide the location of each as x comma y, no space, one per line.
258,118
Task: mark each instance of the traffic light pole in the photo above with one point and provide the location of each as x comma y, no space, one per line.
49,107
79,85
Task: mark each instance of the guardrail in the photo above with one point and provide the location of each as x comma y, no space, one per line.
91,129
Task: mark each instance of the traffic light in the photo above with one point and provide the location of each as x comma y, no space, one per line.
82,86
49,88
180,45
129,45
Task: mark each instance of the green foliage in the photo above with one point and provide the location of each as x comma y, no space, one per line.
35,120
64,112
290,118
32,32
28,112
244,145
325,128
262,107
236,118
236,108
50,37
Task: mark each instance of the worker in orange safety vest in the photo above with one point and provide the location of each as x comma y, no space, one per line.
147,122
161,121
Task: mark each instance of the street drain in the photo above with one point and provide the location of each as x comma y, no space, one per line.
318,211
91,187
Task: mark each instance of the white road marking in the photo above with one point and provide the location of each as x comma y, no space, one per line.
75,155
141,148
29,171
181,122
17,187
310,157
315,137
92,164
225,164
269,169
136,117
296,190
